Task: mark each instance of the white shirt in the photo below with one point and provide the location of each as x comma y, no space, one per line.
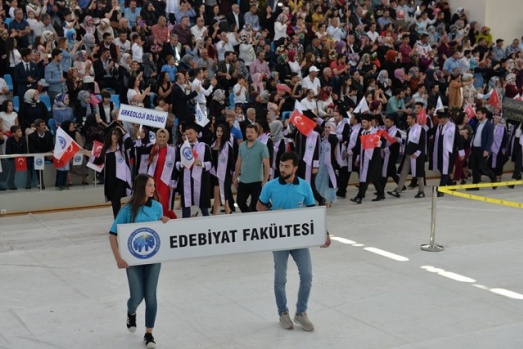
373,36
200,97
309,105
137,53
8,120
314,85
198,33
336,33
123,46
221,48
242,98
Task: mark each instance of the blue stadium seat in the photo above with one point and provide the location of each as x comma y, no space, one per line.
52,126
16,103
9,81
285,115
7,21
47,101
116,100
231,100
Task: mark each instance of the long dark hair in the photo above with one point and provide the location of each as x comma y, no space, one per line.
109,141
138,197
226,135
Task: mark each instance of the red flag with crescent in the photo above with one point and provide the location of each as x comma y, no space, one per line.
20,163
370,141
302,123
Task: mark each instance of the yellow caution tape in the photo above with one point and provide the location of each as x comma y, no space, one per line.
451,190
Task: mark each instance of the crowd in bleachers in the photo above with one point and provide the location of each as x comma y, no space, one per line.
340,63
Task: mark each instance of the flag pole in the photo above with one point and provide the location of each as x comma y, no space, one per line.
432,247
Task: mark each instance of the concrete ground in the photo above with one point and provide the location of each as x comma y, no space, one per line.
374,288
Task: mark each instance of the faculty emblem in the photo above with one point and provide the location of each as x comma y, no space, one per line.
143,243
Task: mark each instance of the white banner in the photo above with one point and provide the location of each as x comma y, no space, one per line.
97,168
153,242
201,116
77,159
39,162
142,116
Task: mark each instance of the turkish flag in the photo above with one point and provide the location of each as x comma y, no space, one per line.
302,123
97,148
370,141
494,99
422,117
70,152
388,137
470,111
59,163
20,163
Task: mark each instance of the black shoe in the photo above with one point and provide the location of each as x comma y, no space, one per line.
148,339
2,189
463,182
494,181
472,189
420,195
404,188
356,199
412,186
13,188
440,194
379,198
131,322
394,193
340,195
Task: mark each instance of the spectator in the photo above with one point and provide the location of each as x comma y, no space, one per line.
31,109
54,75
61,110
8,117
15,144
40,141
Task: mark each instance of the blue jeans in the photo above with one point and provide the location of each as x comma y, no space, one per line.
143,280
302,258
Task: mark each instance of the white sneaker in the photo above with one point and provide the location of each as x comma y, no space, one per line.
304,321
286,322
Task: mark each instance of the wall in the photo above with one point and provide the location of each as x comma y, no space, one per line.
502,16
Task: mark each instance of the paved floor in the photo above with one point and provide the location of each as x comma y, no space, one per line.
374,288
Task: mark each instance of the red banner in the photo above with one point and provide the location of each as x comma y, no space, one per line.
21,163
422,117
388,137
302,123
494,99
470,111
97,148
370,141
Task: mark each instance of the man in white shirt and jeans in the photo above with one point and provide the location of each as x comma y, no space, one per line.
201,97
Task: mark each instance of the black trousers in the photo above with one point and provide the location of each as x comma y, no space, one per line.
517,158
244,191
364,185
479,166
343,180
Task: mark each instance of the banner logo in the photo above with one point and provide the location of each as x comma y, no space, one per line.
143,243
62,141
187,154
39,161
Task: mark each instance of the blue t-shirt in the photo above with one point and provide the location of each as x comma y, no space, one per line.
151,211
283,195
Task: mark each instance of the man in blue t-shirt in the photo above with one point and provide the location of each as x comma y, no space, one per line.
283,193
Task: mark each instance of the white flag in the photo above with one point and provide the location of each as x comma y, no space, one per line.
187,155
63,141
439,105
77,159
362,106
39,162
201,117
